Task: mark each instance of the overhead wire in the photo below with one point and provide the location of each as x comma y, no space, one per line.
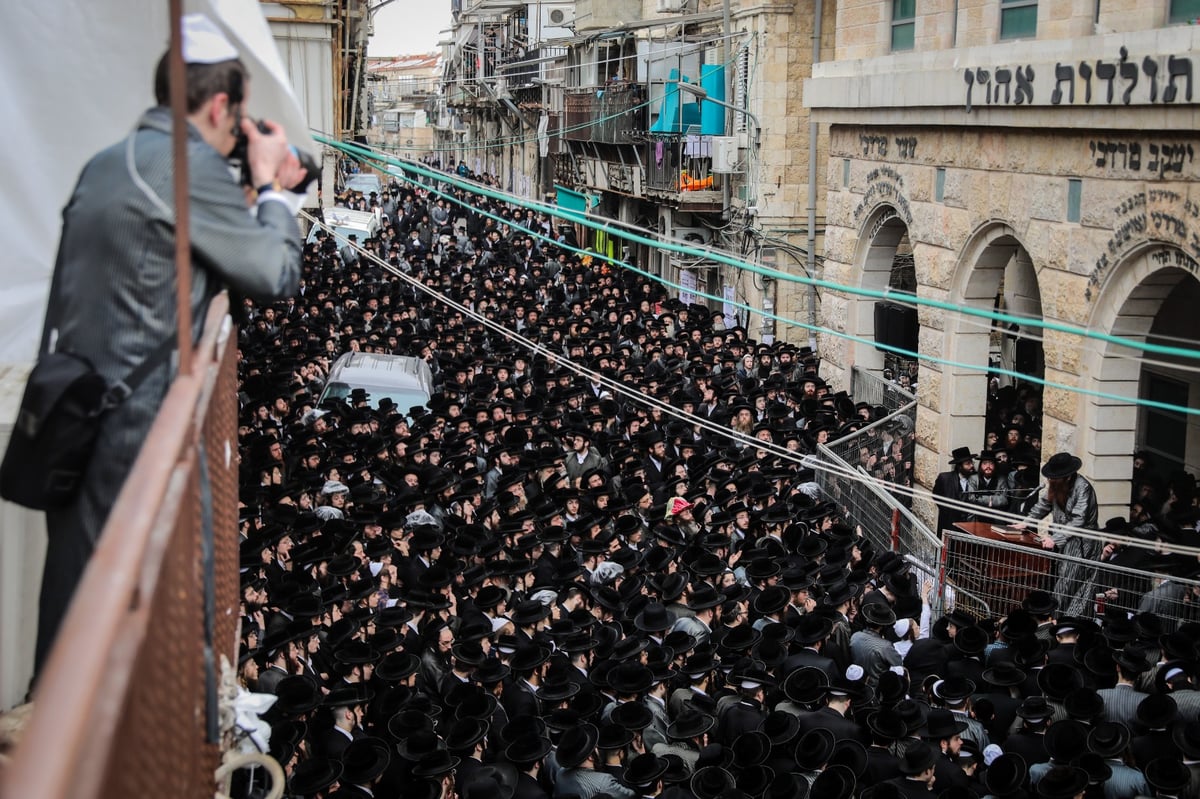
564,213
635,233
618,388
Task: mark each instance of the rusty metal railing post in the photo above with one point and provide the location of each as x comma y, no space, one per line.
183,238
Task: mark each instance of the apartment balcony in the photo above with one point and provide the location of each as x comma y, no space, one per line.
611,115
678,169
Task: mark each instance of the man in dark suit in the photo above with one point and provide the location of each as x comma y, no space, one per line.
953,485
121,215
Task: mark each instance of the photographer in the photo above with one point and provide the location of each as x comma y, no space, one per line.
113,296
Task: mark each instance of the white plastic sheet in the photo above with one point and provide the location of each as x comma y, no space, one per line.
78,74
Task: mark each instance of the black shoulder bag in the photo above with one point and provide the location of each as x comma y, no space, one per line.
55,432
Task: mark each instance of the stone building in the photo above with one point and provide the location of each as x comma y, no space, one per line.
399,91
1036,156
582,96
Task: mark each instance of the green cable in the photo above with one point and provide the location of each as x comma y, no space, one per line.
775,317
683,249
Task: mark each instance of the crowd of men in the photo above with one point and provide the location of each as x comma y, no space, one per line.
540,584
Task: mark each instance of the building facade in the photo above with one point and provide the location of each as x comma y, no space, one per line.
400,94
584,98
1031,156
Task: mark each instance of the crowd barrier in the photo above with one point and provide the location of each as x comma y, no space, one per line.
869,387
992,576
127,705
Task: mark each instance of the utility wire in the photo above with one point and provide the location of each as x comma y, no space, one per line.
564,213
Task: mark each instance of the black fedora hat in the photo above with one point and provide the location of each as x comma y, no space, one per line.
814,748
703,597
835,782
961,455
690,723
1156,711
806,685
654,618
1062,782
780,727
314,775
466,733
709,782
1004,675
1035,708
1065,740
940,724
576,744
644,770
751,748
1061,464
1108,739
878,614
1168,775
1059,679
527,749
632,716
887,725
1006,776
917,758
364,760
851,754
436,763
1186,735
812,628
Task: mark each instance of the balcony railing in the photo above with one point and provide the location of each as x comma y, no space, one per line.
611,115
681,164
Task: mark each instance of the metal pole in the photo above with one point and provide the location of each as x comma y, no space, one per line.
183,238
813,133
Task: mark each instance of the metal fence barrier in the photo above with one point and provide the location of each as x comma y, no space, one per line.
122,708
991,577
869,387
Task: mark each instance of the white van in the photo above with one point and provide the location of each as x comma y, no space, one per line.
362,224
408,381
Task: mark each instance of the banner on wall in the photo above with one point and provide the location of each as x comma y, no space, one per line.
727,308
687,286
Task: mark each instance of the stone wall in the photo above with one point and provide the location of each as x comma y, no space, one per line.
1006,194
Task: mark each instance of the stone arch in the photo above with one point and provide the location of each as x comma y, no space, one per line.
1128,304
879,240
993,258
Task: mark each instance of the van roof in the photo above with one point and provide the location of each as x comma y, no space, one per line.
344,217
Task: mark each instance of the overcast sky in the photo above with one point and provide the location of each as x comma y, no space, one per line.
405,27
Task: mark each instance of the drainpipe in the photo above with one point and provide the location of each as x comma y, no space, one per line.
812,189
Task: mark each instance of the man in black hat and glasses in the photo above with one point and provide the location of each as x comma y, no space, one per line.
954,485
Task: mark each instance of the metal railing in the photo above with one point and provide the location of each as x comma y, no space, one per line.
124,706
869,387
606,115
991,577
682,164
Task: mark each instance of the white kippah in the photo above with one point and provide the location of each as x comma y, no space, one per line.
854,672
990,753
204,43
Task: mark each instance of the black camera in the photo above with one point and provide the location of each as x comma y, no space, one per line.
241,150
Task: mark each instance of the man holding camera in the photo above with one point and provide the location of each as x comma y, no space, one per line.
113,295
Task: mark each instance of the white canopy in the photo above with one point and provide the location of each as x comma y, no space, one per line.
79,75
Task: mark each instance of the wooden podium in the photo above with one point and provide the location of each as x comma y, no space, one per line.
997,576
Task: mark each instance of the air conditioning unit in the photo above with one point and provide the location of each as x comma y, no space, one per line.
691,235
724,154
672,6
556,22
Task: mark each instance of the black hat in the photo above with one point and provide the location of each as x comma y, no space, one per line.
709,782
576,744
812,628
466,733
703,597
941,724
1035,708
806,685
1004,675
364,760
314,775
1059,679
878,614
954,689
780,727
527,749
1186,736
917,758
436,763
1156,711
1006,775
1061,464
690,723
887,725
632,716
1168,775
1040,603
644,770
654,618
751,748
814,748
1108,739
835,782
961,454
1065,740
1062,782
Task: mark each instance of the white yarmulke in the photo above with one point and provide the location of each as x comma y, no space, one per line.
334,487
204,43
854,672
900,628
990,753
